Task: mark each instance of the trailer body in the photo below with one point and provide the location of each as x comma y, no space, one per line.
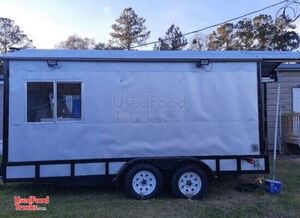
90,115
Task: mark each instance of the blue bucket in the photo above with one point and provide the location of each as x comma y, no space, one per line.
273,186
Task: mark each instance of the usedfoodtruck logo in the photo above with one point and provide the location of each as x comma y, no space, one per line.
149,101
148,109
31,203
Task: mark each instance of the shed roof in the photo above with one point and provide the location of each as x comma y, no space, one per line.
288,67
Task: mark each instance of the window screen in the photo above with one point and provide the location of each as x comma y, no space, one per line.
68,101
39,101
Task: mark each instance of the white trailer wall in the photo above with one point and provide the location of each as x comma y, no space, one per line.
139,110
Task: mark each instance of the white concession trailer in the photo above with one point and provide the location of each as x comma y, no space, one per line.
143,118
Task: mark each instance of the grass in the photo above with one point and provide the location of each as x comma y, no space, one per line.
222,200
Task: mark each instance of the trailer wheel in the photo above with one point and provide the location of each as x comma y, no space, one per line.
143,181
189,182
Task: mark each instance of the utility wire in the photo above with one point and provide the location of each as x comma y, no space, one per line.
214,25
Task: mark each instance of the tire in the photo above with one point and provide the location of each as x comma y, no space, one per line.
189,181
143,181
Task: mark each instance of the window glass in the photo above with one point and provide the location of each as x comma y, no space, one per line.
69,101
39,101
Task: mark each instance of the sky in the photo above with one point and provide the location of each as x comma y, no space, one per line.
49,22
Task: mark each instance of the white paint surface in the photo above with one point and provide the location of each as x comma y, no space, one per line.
15,172
88,169
166,109
55,170
228,165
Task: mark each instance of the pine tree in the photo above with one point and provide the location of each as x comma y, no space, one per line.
285,38
264,30
223,38
260,33
244,35
173,40
129,30
213,41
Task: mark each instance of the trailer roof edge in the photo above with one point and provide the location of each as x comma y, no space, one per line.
148,56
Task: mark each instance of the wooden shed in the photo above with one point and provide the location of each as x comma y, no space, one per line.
288,76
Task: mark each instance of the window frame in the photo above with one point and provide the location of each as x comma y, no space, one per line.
55,119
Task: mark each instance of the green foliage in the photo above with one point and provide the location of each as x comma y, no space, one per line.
173,40
222,38
11,35
286,38
244,35
264,29
259,33
129,30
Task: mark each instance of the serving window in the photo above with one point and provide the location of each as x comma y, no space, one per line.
68,101
51,101
39,101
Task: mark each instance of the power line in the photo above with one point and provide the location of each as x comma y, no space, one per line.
214,25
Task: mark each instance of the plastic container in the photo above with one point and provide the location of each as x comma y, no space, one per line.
273,186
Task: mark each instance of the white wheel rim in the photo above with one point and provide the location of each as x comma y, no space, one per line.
144,182
189,184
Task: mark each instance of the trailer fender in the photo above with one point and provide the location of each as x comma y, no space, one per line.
196,162
126,167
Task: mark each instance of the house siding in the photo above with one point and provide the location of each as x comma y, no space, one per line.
288,81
